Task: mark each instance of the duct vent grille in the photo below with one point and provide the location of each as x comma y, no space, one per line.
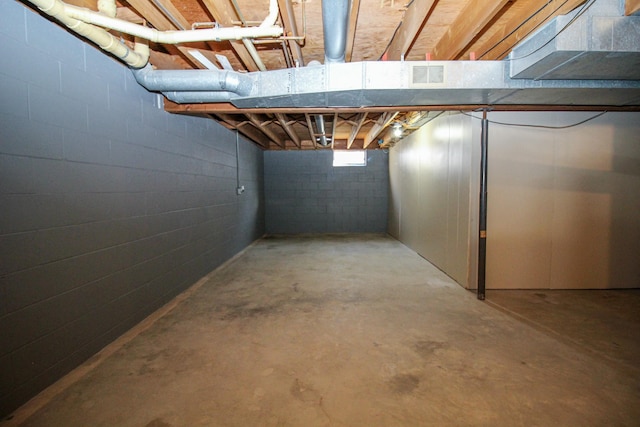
422,75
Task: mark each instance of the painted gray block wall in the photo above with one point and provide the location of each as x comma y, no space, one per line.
304,193
109,206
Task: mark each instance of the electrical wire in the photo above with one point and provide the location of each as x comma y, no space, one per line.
581,12
521,25
540,126
395,31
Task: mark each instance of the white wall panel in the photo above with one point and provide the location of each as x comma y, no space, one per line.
563,204
561,201
430,193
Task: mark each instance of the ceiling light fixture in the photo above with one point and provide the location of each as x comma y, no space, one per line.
397,130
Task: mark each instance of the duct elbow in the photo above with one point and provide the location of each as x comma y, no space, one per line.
141,74
235,82
203,81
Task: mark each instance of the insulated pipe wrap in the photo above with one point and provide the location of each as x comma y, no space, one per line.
56,9
108,7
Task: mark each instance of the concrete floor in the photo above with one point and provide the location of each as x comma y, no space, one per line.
359,331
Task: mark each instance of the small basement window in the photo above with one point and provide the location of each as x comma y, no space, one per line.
349,158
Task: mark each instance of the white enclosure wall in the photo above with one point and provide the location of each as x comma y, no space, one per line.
563,207
564,204
430,200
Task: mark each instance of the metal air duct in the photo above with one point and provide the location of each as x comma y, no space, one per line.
321,130
437,83
418,83
335,24
595,42
195,85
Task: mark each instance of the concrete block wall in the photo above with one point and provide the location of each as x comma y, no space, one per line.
109,206
304,193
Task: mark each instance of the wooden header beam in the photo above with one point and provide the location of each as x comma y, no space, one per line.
631,7
226,108
414,19
525,19
471,21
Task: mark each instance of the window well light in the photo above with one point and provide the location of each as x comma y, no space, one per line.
349,158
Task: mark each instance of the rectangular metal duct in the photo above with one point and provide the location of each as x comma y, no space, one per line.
590,57
592,47
389,83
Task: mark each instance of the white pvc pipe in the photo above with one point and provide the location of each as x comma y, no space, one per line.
108,7
270,20
136,58
175,37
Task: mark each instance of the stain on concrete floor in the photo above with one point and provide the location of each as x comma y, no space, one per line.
350,330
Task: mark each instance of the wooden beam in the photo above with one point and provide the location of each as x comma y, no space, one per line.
414,19
631,7
333,129
470,22
225,108
174,15
166,61
356,128
152,15
291,29
250,132
89,4
312,134
224,14
353,24
525,19
282,119
262,127
128,14
377,128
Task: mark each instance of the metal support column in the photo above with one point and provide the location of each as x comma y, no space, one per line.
482,240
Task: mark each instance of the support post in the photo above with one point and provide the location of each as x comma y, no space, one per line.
482,240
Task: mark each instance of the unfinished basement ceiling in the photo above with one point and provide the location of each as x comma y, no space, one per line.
417,30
